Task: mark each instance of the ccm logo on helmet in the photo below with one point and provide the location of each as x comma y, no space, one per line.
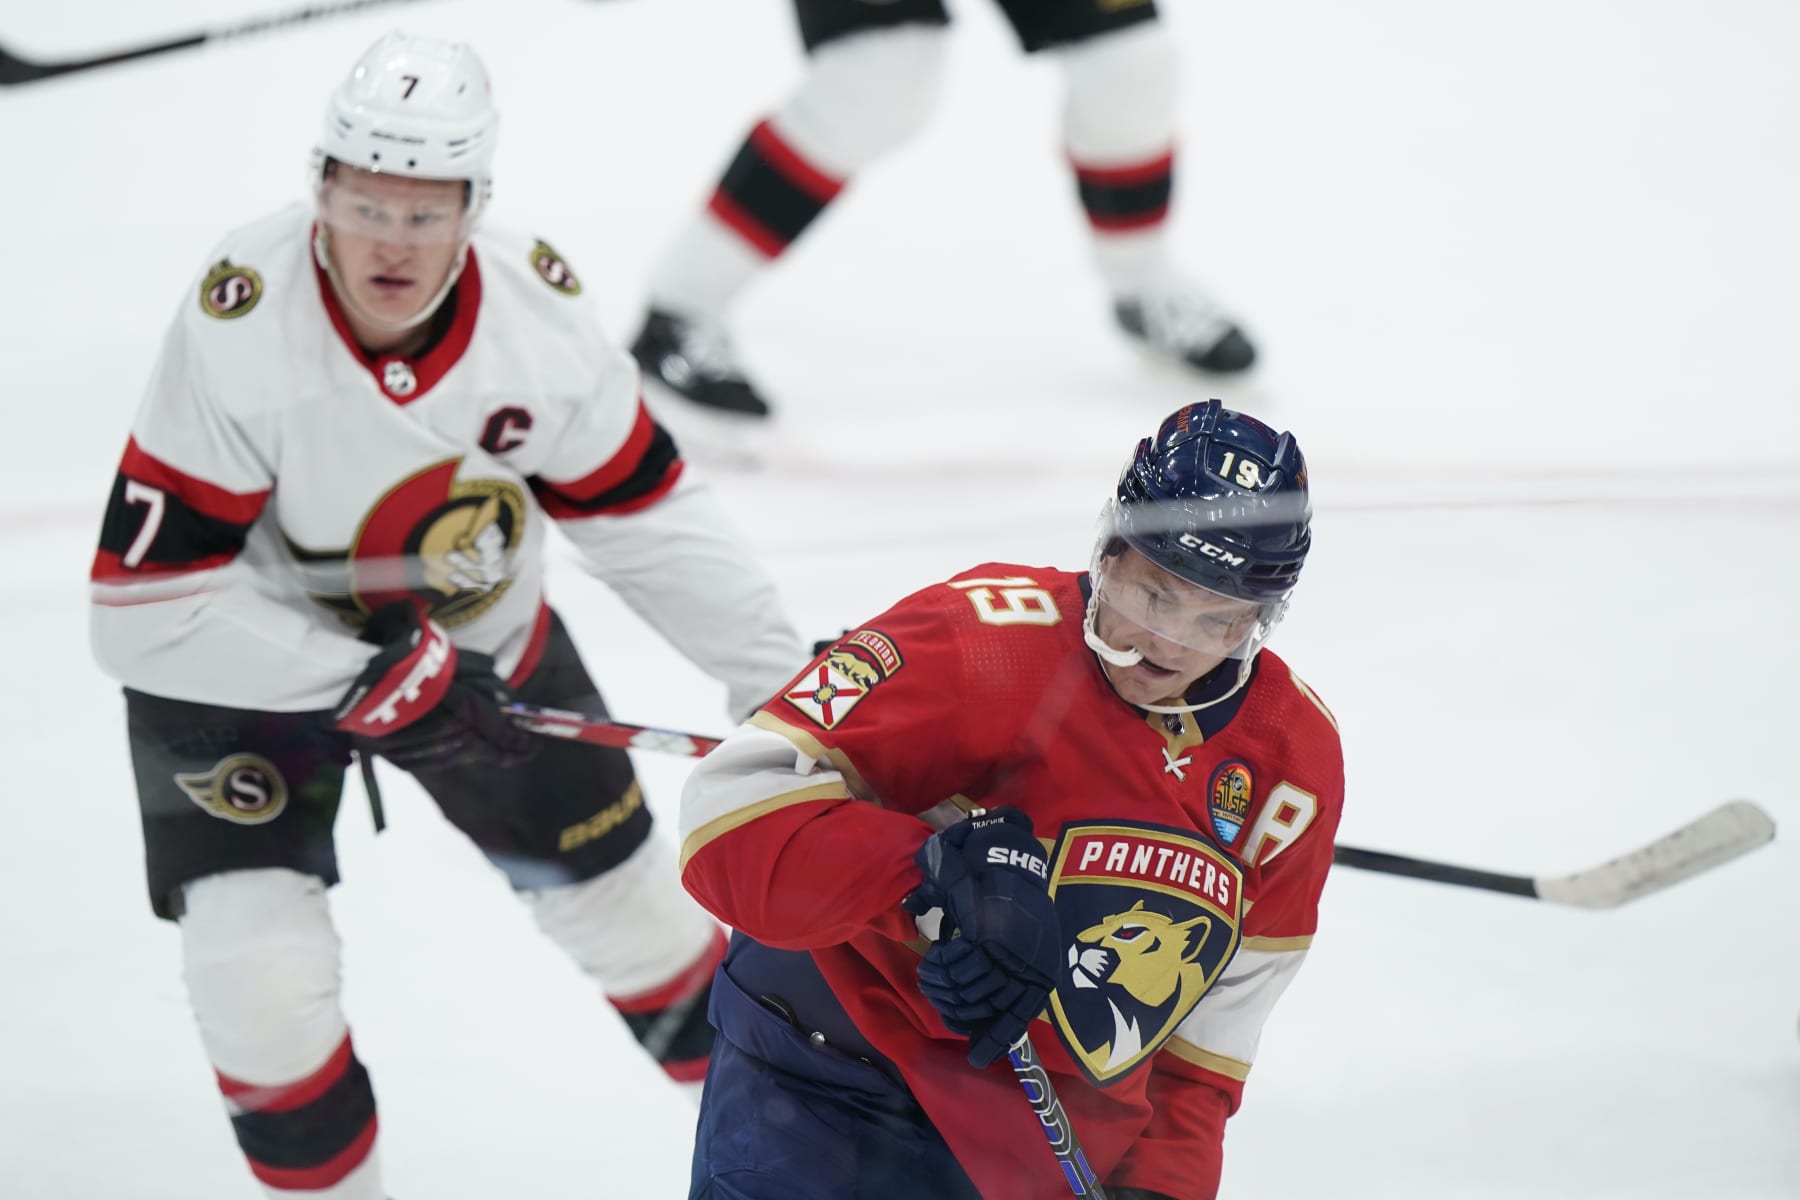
1217,553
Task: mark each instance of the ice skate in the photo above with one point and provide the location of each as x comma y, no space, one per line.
1180,321
694,360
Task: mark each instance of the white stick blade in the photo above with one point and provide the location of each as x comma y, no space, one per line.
1721,835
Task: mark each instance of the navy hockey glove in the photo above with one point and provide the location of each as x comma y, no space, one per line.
423,705
995,962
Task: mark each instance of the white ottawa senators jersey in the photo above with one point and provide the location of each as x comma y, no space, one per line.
1187,855
280,484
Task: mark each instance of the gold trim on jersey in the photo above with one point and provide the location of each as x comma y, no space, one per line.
816,750
1304,689
1219,1064
1278,945
719,826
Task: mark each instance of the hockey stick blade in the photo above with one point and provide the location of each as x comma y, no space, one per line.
1725,833
16,70
1731,830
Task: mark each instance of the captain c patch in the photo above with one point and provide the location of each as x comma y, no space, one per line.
1228,798
853,668
244,789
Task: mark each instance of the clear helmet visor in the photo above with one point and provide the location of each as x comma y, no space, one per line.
396,212
1131,589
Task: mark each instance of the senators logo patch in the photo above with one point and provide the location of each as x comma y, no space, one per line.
553,270
229,291
446,541
856,666
244,789
1228,798
1150,917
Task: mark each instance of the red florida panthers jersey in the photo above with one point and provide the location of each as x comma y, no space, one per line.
1188,853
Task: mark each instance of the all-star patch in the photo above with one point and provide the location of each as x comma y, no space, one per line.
229,291
1228,798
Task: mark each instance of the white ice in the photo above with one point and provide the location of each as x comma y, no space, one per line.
1527,276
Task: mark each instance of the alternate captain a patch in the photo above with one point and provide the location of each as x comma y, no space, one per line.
1228,798
856,666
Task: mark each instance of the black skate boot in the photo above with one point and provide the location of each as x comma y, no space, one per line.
695,361
1182,322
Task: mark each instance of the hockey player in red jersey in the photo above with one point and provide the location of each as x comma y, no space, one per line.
873,74
1161,796
327,534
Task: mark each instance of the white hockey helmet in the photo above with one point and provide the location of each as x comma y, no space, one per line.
419,107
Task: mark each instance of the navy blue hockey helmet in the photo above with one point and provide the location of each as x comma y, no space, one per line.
1219,499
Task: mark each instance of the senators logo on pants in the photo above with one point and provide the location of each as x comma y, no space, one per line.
244,789
1150,918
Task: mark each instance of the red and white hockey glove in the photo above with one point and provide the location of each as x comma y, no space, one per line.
422,705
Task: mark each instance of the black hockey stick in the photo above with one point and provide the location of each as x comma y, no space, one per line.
15,70
1727,832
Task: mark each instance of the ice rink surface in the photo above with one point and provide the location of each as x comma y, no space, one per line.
1527,278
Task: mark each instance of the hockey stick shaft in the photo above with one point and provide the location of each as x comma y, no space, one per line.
601,731
16,70
1029,1069
1729,831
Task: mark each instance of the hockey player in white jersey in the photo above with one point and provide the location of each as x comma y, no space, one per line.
326,536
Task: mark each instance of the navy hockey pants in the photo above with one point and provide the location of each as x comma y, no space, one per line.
782,1119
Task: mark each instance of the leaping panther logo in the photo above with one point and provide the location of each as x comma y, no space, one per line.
1151,957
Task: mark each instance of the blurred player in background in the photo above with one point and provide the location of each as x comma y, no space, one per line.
1161,795
874,71
327,534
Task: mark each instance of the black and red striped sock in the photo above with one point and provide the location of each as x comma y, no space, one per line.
670,1021
309,1134
770,193
1129,197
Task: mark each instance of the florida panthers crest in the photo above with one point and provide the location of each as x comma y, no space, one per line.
1150,918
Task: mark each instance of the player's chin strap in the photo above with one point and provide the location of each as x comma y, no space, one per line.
1131,658
322,250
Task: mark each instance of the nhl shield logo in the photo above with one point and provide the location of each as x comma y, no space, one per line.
1151,916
